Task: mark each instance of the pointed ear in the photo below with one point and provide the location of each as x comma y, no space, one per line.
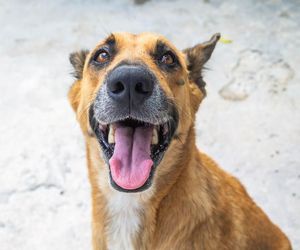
77,59
197,56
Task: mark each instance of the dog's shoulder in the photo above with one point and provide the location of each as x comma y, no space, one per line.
242,220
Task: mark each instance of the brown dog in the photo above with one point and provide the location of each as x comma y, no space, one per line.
136,97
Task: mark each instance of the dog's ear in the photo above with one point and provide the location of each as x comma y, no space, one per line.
197,56
77,59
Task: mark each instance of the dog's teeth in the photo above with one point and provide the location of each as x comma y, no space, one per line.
111,134
154,137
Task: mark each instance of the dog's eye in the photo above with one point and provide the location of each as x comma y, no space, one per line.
168,58
102,57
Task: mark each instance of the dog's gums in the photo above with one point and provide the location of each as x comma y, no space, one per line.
133,149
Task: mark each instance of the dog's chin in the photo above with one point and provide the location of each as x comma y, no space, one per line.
133,150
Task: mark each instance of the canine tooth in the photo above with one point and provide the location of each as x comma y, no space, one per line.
154,137
111,134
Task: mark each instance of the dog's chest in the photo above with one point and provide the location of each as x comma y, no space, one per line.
125,212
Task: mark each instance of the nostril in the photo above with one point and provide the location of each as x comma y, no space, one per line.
140,88
117,88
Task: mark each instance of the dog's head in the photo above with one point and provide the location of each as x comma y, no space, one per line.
136,97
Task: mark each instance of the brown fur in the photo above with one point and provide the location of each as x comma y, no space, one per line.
192,204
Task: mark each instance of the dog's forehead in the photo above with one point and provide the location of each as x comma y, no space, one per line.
144,41
142,38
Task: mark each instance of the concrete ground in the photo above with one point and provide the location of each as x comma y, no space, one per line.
249,122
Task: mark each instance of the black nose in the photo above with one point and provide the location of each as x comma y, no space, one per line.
130,85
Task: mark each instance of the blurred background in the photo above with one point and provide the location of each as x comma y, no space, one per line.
249,122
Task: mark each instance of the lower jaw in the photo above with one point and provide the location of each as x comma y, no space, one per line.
142,188
117,182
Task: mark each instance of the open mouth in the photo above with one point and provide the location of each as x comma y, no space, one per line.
133,149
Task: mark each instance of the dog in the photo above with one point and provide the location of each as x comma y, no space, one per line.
135,97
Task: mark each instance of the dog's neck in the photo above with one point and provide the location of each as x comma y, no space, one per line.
129,219
124,220
132,218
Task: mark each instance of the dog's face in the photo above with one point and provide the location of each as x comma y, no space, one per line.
136,97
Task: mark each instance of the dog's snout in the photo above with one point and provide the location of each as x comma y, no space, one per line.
130,85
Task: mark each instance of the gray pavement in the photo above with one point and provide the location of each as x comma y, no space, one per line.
249,122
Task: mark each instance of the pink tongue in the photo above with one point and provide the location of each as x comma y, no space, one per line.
131,164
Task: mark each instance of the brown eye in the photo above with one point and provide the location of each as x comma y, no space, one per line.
167,59
102,57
